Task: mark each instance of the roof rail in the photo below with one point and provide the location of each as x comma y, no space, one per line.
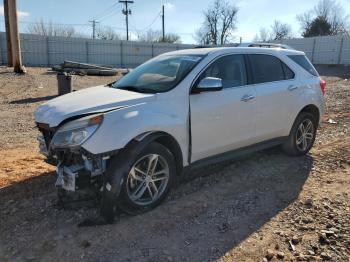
262,45
269,45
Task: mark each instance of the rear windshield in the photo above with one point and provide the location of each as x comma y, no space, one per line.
304,63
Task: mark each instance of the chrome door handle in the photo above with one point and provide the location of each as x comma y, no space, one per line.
246,98
291,87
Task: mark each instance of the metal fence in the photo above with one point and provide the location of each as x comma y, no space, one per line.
323,50
48,51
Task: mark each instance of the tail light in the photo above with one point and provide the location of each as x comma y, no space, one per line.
323,86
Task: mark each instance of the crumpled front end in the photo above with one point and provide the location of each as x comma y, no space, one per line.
76,168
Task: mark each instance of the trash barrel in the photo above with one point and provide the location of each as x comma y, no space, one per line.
64,82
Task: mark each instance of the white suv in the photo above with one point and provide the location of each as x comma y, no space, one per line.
130,139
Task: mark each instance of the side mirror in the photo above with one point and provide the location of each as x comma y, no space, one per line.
208,84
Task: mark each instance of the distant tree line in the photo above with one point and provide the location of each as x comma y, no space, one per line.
102,32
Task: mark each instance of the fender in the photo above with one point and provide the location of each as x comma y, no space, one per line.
119,127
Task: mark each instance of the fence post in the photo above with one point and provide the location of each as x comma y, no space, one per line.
313,51
340,50
1,60
87,50
48,51
121,53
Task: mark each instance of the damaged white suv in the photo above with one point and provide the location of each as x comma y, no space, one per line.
130,139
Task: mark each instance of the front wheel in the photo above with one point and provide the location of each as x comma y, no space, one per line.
149,179
302,135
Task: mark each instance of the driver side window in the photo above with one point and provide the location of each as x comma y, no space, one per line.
230,69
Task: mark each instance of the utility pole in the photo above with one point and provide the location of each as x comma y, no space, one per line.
94,22
163,27
126,12
15,40
8,36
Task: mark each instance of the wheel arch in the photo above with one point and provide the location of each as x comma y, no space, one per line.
313,109
165,139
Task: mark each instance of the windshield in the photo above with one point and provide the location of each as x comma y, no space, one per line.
158,75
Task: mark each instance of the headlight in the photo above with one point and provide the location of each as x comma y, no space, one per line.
76,132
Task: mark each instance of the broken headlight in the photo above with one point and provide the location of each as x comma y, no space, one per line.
76,132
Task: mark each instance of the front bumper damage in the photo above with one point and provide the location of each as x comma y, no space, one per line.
76,168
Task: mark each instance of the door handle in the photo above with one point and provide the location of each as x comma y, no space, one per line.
291,87
246,98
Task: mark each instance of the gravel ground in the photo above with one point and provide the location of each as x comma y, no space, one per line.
264,207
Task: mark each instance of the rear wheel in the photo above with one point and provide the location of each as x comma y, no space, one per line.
302,135
149,179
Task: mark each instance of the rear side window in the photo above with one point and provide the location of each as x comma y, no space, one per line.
230,69
288,73
304,63
266,68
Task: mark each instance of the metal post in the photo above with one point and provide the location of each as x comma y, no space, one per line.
48,50
163,26
313,50
1,59
87,51
121,53
340,50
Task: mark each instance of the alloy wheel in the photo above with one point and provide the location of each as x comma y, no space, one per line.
305,135
147,179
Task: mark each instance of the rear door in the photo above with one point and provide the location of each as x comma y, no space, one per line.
276,88
223,120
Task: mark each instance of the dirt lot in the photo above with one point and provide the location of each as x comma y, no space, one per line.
264,206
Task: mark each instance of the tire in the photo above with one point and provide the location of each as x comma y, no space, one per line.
131,199
296,145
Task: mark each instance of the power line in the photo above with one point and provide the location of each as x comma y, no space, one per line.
111,13
103,13
150,25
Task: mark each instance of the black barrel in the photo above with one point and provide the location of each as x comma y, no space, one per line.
64,82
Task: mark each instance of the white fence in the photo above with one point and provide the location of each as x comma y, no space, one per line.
47,51
323,50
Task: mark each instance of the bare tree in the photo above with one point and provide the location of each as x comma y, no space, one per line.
219,23
156,36
50,29
280,30
326,14
106,33
202,36
264,35
305,20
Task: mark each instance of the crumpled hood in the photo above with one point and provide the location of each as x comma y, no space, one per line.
90,100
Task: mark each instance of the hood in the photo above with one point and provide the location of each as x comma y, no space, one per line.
90,100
